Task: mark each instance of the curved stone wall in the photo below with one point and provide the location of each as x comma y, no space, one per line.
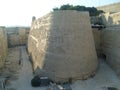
62,47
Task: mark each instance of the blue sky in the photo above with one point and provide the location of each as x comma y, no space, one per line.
20,12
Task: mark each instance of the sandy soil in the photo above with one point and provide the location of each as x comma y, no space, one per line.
104,78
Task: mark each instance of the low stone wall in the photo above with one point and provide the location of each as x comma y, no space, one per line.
3,46
111,46
17,36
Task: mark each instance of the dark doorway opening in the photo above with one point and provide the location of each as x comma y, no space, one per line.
104,57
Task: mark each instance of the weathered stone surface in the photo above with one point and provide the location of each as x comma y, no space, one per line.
109,19
17,36
11,65
97,40
3,46
111,46
62,47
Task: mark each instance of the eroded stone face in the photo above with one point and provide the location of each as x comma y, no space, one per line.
62,47
17,36
111,19
3,46
111,47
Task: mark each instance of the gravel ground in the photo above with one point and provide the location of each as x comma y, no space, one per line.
104,78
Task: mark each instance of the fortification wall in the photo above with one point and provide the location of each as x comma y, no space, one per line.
110,8
107,41
62,46
111,46
17,36
3,46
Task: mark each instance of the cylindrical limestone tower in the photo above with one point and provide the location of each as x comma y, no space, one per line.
62,47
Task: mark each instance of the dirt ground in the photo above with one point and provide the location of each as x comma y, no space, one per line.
21,78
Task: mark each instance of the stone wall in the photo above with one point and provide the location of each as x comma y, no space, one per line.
109,19
97,40
110,8
62,46
17,36
111,46
107,41
3,46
